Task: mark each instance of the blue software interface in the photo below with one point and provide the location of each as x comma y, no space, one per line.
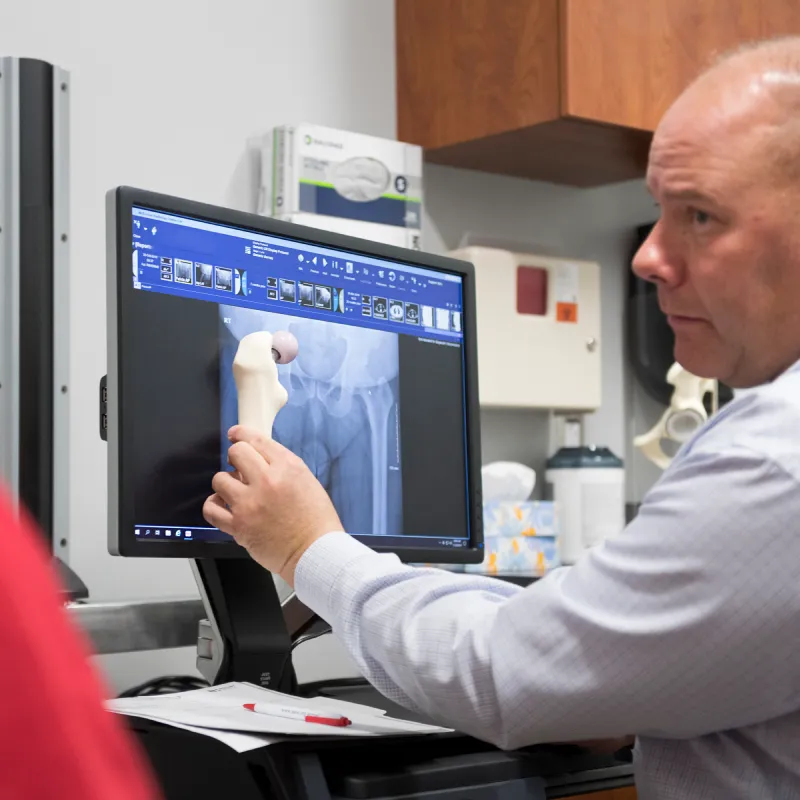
376,402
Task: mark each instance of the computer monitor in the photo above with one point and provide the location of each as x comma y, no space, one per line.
382,397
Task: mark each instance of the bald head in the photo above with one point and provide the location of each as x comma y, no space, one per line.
752,89
725,255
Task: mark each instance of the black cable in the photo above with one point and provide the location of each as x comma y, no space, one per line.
309,636
167,684
296,643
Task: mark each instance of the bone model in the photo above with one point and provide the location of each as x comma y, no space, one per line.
261,395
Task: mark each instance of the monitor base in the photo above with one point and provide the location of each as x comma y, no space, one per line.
245,637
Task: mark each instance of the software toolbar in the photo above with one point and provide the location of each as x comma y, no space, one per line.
207,261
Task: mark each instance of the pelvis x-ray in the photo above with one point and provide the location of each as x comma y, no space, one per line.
342,414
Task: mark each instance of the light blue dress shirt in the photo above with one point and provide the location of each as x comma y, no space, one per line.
683,630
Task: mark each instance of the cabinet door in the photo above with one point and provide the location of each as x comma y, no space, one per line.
467,69
625,62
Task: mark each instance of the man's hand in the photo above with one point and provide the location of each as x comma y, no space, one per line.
275,509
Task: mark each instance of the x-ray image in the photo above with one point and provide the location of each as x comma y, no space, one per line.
306,294
324,297
342,414
396,311
288,291
224,279
203,275
183,271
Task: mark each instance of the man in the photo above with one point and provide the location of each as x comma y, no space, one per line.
685,629
56,740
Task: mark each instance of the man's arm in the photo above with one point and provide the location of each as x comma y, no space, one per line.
676,628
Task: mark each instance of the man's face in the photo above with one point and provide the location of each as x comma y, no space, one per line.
725,253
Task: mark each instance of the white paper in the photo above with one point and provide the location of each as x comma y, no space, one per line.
221,708
240,742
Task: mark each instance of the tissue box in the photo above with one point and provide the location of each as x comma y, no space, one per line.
520,538
334,173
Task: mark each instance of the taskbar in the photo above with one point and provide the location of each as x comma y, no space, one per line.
161,533
153,533
407,541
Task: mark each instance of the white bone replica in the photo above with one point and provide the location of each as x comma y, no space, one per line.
686,413
261,395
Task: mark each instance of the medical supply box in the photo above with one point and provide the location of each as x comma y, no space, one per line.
346,177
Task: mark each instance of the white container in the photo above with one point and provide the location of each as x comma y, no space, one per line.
539,343
334,173
588,484
385,234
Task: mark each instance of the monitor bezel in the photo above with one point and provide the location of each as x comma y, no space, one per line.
119,204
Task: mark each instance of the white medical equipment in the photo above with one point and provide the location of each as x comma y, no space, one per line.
538,330
684,417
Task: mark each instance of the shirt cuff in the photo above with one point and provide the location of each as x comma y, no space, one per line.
321,567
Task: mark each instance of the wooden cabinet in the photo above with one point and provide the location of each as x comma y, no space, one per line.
559,90
611,794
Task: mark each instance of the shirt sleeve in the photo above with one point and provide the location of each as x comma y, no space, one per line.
56,739
684,624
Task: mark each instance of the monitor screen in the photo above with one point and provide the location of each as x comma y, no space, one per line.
379,402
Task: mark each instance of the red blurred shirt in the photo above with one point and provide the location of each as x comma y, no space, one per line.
56,741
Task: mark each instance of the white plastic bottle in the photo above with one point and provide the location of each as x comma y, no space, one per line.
588,484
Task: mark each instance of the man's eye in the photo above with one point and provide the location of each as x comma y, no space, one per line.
700,217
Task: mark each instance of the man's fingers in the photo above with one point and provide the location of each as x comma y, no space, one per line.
227,487
268,449
247,461
217,514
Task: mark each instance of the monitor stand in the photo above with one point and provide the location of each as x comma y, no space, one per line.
245,637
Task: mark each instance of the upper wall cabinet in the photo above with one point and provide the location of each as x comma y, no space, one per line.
567,91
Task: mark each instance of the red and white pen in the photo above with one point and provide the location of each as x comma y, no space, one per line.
289,712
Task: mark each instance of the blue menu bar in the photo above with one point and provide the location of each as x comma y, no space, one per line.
182,256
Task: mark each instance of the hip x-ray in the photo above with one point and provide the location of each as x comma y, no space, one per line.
342,415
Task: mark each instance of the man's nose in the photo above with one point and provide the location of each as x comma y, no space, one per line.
653,262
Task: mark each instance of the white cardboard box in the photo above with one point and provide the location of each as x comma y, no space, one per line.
310,169
386,234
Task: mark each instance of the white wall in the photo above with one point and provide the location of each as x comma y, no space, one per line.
165,96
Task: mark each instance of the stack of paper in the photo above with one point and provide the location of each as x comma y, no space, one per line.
219,712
